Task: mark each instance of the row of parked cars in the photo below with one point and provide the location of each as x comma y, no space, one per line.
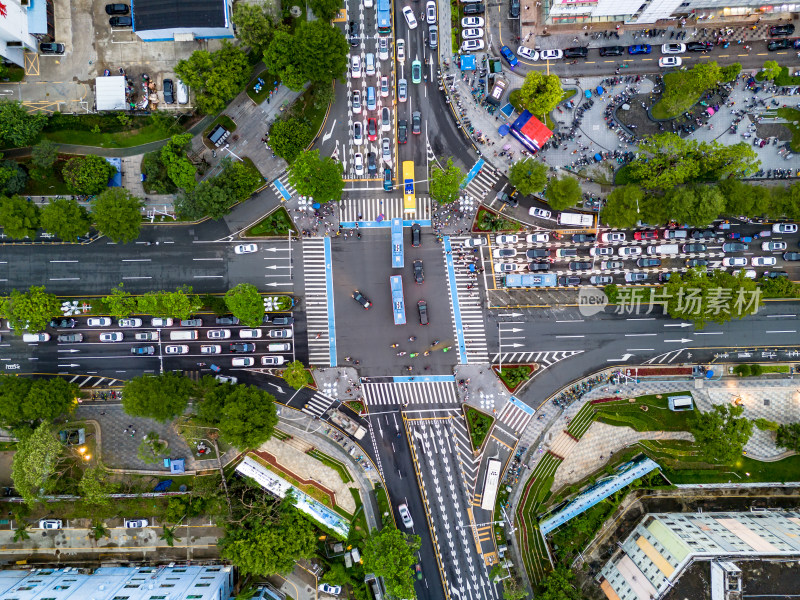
583,52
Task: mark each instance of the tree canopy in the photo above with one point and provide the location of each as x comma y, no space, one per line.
13,177
540,93
721,433
289,136
325,9
29,311
43,157
295,375
120,303
95,487
66,218
528,176
316,176
179,168
181,304
215,77
558,585
18,127
623,206
696,205
317,52
87,174
246,302
248,417
18,217
563,192
788,436
117,214
445,184
391,554
160,397
255,25
35,464
25,403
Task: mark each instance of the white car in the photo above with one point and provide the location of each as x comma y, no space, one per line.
402,90
475,242
670,61
471,45
601,251
749,273
540,212
506,239
613,236
136,523
31,338
161,322
430,12
111,336
356,102
212,349
249,334
504,253
358,133
472,22
386,151
269,361
98,321
630,251
50,524
528,53
243,361
408,13
784,228
358,163
763,261
280,333
772,246
536,238
384,87
736,261
355,66
129,322
475,33
369,64
400,46
551,54
386,119
177,349
227,379
245,248
219,334
383,48
673,48
405,516
502,267
333,590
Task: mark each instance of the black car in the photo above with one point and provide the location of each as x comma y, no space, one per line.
696,262
62,323
505,198
538,253
231,320
372,166
387,180
583,237
287,320
51,48
781,30
169,92
513,9
612,50
419,274
791,256
416,235
579,52
699,46
117,9
416,122
776,274
422,306
402,131
664,277
579,265
778,45
352,33
539,266
648,262
242,347
474,8
693,248
120,22
703,234
361,299
70,337
569,280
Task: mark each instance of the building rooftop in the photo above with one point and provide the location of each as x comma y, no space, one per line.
173,14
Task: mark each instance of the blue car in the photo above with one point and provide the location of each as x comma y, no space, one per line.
639,49
509,56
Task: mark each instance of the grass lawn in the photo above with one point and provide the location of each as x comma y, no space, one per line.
658,416
479,424
331,462
775,369
792,116
513,377
120,139
260,96
15,73
310,112
223,120
53,184
276,223
384,508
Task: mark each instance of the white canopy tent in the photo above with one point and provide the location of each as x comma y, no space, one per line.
110,93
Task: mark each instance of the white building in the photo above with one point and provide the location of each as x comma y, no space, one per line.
655,554
178,582
182,20
24,23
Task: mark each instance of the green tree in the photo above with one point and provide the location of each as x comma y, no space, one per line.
622,207
248,417
563,192
325,9
289,136
95,487
696,205
318,177
721,433
117,214
179,168
155,173
215,77
245,302
25,403
12,177
445,184
513,589
34,469
323,50
43,157
766,425
771,69
322,95
255,25
295,374
788,436
209,409
391,554
778,287
87,174
18,127
168,535
528,176
66,218
120,303
180,304
99,531
239,179
21,533
160,397
540,93
151,450
206,199
29,311
283,59
18,217
743,199
698,297
558,585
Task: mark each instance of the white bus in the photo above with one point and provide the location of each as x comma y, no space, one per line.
577,219
493,469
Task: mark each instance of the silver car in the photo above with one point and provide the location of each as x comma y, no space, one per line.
386,150
402,90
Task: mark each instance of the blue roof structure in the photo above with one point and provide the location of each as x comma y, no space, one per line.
116,179
626,474
468,63
177,466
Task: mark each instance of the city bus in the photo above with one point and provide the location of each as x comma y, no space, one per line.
397,243
530,280
398,303
409,201
490,484
384,17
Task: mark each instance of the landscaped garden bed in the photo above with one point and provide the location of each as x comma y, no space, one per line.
278,223
513,376
479,425
489,221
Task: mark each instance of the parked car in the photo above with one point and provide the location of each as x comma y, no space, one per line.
169,91
613,236
526,52
612,50
419,273
540,213
784,228
763,261
416,235
601,279
62,323
422,307
734,247
673,48
120,22
777,30
227,320
665,62
507,54
98,321
70,338
117,9
136,523
639,49
474,8
791,256
577,52
696,262
333,590
50,524
635,277
472,45
551,54
132,322
773,45
773,246
472,21
51,48
699,46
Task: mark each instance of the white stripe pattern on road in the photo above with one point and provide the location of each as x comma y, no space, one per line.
316,301
482,184
318,404
388,208
513,416
430,392
470,306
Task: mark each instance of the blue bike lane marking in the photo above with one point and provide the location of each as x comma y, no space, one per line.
473,172
451,278
424,379
283,191
329,290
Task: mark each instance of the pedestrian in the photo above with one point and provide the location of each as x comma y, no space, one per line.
126,430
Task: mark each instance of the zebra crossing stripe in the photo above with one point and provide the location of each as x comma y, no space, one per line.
367,210
316,300
470,311
318,404
514,417
403,393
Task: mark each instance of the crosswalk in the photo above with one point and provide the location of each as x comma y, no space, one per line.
665,358
408,393
93,381
482,184
318,404
544,358
281,185
315,276
355,210
515,416
470,307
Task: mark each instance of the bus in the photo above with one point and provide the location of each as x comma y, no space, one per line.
531,280
577,219
490,484
397,243
398,303
409,201
384,17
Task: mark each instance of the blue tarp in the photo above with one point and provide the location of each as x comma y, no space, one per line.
116,179
177,466
468,63
507,109
163,486
600,90
503,129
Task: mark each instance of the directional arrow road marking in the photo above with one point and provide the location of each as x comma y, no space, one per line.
677,324
681,341
623,359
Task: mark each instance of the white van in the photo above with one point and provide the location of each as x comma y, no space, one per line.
369,64
268,361
159,322
181,92
35,337
279,347
664,249
189,334
243,361
249,334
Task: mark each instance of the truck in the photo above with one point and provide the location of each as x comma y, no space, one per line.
346,424
577,219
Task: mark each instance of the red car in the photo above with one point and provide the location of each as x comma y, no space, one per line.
372,129
645,235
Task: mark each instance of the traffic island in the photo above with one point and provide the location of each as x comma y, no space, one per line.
513,377
277,223
487,221
479,424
